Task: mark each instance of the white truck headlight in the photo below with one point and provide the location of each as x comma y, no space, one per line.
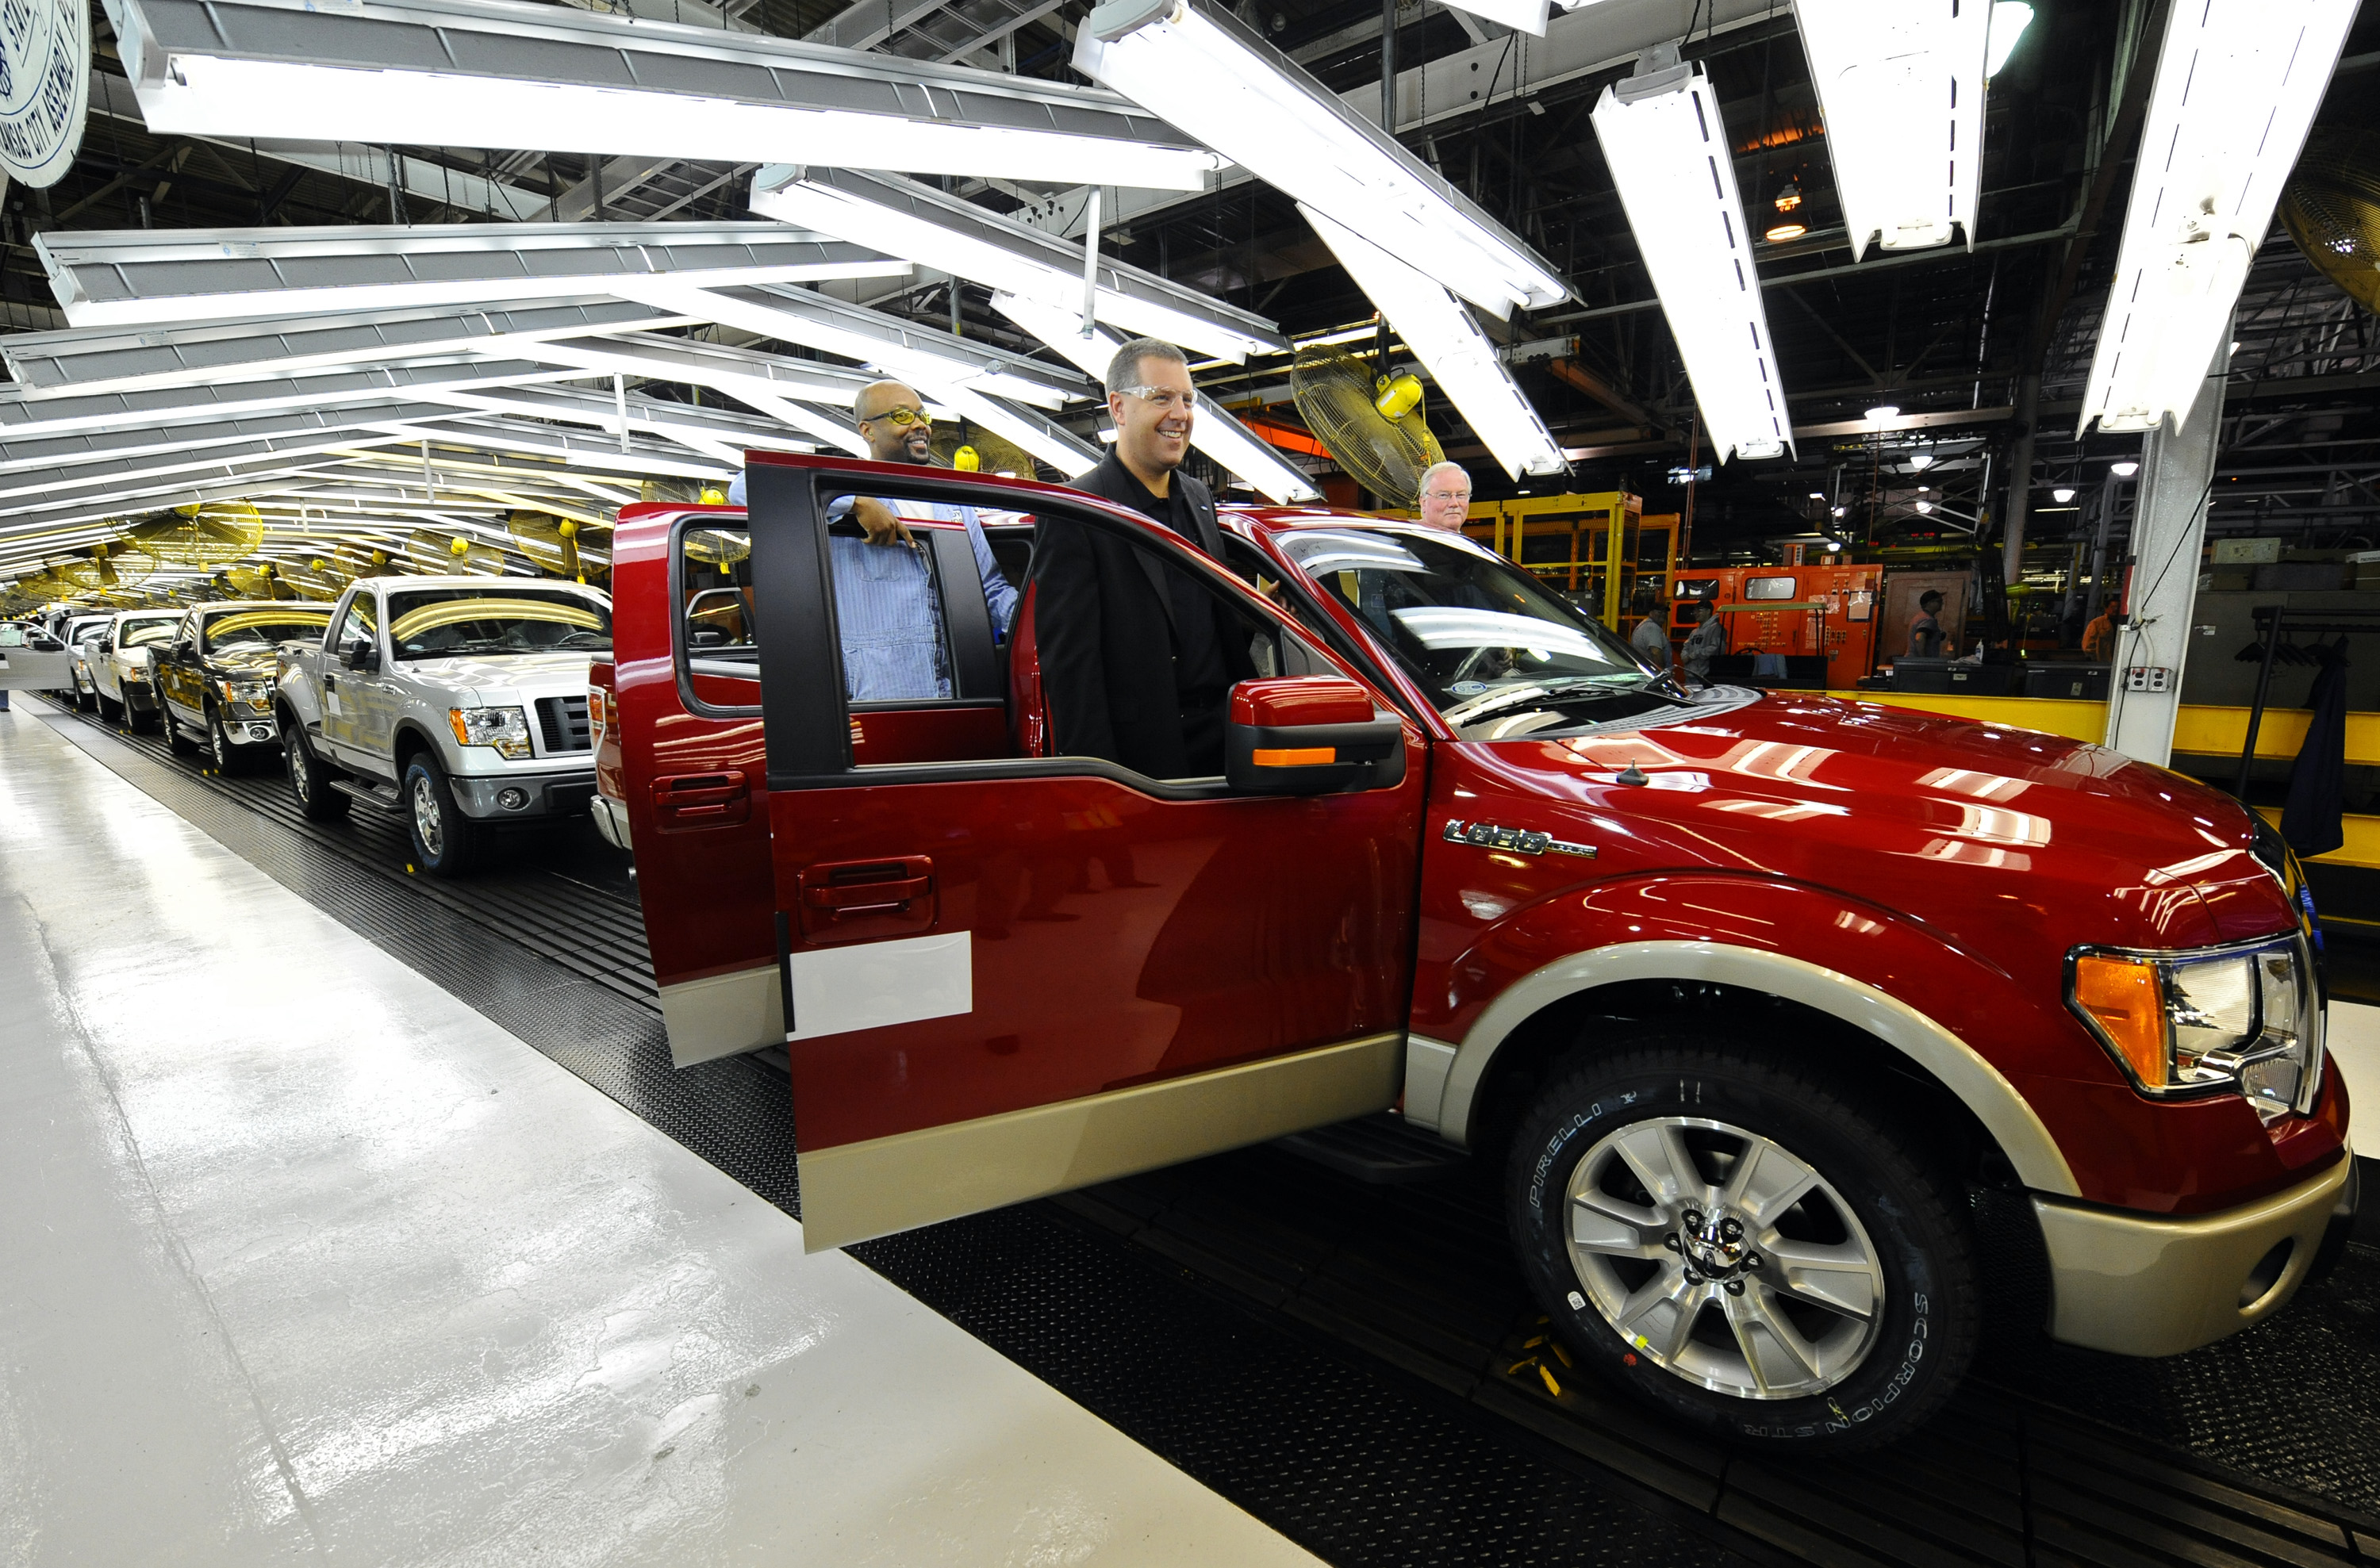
2242,1020
506,728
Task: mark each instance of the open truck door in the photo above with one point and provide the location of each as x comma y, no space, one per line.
1006,976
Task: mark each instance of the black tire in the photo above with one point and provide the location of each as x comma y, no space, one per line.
180,744
228,759
110,711
445,842
88,702
308,780
1880,1217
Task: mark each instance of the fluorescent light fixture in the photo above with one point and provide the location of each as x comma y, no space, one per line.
1446,338
1901,88
901,217
136,277
1834,545
1925,506
78,362
2123,470
2238,82
1521,15
2009,18
1817,495
1213,431
1882,412
1921,461
484,73
1669,155
2061,494
1839,511
26,419
1203,69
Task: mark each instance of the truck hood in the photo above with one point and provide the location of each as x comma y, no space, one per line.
1996,838
492,676
242,664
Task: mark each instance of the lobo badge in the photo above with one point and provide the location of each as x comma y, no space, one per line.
44,87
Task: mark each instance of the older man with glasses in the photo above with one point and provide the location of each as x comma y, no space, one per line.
1137,660
1445,496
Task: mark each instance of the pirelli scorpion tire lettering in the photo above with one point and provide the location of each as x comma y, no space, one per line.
1745,1242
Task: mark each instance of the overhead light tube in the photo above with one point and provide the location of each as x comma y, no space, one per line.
1206,72
1670,157
2238,84
1901,88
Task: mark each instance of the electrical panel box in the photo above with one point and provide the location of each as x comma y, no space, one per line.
2247,552
2147,678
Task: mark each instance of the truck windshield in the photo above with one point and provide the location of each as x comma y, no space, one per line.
1497,653
265,628
441,623
144,634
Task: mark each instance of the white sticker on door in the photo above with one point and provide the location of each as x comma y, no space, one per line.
869,984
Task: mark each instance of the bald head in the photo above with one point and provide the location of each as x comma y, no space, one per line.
892,421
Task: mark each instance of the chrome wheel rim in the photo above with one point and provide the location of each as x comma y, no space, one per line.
220,744
299,778
1723,1258
426,825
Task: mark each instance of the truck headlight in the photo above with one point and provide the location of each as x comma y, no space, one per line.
2242,1020
506,728
254,695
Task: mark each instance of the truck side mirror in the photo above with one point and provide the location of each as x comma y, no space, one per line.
1310,735
363,654
182,647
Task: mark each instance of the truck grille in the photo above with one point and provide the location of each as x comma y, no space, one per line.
564,721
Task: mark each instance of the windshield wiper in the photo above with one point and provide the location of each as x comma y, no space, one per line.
1497,701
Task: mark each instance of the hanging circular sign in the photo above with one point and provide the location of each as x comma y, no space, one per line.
44,87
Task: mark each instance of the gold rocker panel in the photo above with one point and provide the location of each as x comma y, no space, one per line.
860,1190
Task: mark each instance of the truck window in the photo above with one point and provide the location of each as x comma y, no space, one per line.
152,632
262,628
715,578
1497,652
359,624
447,622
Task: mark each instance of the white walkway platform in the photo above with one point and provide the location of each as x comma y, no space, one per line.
302,1259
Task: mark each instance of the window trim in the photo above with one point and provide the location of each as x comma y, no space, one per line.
808,740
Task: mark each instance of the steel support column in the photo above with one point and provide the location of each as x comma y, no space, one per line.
2168,531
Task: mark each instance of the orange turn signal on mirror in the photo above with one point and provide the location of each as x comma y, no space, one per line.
1304,756
2122,996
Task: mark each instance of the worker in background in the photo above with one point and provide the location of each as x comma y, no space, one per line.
1651,637
883,588
1137,657
1708,642
1445,496
2099,637
1926,637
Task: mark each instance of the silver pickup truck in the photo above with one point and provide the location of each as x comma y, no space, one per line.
459,702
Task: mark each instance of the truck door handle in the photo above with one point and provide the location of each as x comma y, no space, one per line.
853,886
330,682
703,800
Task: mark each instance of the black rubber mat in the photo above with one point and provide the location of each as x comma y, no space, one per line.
1348,1362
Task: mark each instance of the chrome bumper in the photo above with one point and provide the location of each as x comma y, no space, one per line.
2145,1284
611,820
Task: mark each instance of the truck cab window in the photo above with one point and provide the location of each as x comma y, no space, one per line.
715,582
358,625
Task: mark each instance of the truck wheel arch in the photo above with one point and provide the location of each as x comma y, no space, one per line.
1444,1083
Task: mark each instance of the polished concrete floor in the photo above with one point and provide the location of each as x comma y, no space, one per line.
302,1259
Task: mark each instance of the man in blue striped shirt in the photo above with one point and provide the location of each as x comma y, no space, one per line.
894,648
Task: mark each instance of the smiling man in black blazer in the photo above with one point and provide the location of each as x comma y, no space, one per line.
1137,657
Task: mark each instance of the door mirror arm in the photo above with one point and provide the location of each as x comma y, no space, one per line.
362,653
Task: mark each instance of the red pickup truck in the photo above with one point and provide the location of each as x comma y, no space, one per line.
1751,993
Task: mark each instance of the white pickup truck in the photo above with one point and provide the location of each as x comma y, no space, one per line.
459,702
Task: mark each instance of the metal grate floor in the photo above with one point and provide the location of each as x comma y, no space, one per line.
1336,1357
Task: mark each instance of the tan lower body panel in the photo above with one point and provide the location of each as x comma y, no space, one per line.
2140,1285
721,1015
860,1190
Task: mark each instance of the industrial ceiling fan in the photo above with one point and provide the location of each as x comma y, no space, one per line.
1374,426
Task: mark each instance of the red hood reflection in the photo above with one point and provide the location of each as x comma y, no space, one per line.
1957,825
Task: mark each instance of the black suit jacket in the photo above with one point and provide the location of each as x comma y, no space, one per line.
1103,627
